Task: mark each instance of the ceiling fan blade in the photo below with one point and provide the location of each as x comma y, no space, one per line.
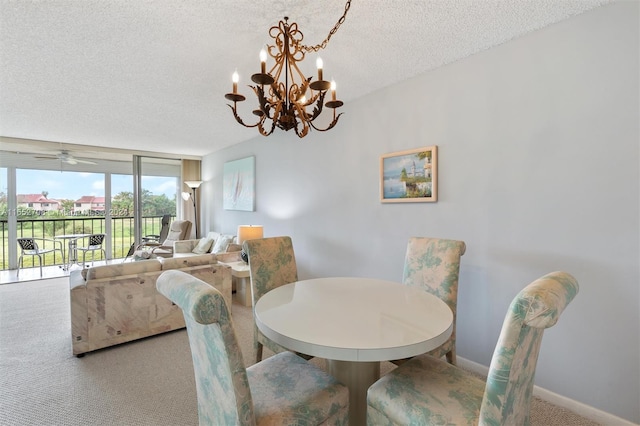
77,160
65,157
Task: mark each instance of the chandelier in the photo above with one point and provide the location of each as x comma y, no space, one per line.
287,99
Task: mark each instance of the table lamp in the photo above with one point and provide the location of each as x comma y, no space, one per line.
248,232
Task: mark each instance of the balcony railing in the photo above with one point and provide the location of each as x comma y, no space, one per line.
122,235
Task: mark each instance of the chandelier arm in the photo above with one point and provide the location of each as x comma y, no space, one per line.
331,125
262,131
317,109
239,120
305,129
264,103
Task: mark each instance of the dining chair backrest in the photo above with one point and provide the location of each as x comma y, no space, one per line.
433,264
509,388
272,263
223,393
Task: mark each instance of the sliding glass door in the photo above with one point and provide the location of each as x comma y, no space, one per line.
48,198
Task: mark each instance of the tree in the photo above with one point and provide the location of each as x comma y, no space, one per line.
122,204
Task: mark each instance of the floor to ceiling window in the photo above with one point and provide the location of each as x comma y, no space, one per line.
49,198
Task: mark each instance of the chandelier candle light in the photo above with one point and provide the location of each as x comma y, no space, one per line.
285,104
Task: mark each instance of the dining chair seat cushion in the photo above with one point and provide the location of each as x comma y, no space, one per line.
285,387
426,391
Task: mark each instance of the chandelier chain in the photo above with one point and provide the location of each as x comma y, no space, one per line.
322,45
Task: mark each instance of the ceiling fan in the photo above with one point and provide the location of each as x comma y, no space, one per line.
67,158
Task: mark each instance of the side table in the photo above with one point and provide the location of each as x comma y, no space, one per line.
241,280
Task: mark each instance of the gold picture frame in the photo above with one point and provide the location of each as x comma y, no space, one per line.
409,176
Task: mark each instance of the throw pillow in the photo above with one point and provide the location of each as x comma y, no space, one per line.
222,243
203,246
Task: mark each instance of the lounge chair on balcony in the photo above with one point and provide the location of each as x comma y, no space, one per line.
153,239
179,230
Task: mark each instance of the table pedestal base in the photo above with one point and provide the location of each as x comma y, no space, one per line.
357,376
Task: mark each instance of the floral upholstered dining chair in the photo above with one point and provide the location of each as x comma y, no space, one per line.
428,391
272,263
433,265
281,390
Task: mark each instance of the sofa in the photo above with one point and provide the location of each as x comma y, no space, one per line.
117,303
214,242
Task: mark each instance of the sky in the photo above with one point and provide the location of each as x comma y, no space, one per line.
73,185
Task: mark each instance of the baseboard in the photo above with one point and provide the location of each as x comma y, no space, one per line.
584,410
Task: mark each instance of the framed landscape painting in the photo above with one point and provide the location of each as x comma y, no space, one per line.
238,181
409,176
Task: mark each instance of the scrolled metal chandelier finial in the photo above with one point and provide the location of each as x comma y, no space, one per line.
297,101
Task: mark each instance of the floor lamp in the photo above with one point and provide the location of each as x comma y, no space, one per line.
193,184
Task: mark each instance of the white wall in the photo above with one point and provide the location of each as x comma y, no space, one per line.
538,169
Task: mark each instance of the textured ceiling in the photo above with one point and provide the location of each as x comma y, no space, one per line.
151,75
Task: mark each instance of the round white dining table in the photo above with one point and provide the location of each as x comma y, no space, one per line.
354,323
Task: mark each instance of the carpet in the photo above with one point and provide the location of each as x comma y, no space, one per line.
146,382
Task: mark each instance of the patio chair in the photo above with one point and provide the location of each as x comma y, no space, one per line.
29,247
94,244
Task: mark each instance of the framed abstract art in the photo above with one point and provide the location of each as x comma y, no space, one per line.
239,184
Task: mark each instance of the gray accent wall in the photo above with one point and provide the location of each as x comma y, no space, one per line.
538,144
